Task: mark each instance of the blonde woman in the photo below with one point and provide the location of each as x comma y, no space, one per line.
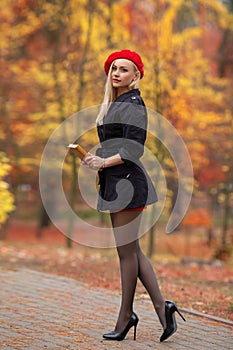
125,187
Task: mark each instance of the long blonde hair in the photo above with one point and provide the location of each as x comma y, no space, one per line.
110,93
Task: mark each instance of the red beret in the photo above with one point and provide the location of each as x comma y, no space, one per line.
127,54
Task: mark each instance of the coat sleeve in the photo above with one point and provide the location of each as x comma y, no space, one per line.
134,119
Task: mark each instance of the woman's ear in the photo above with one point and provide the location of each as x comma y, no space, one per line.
137,74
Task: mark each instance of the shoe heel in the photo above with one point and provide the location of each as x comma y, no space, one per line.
180,314
135,332
135,329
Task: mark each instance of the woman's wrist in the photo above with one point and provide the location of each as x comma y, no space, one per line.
111,161
103,165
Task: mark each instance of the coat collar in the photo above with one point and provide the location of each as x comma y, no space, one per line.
127,95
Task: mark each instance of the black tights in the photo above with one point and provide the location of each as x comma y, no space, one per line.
134,264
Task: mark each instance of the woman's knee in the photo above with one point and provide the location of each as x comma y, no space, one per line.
128,251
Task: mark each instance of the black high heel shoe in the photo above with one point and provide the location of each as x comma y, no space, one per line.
133,322
170,309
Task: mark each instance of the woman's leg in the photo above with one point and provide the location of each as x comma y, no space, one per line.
133,264
125,225
148,278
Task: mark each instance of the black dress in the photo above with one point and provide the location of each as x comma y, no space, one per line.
124,186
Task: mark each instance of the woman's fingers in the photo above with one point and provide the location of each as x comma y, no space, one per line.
92,161
88,159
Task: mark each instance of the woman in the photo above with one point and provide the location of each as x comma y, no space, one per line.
125,187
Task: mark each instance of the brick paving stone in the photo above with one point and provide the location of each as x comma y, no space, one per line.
42,311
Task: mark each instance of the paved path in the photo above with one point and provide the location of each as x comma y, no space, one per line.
41,311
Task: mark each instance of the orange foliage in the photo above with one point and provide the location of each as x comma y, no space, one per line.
22,7
198,217
210,175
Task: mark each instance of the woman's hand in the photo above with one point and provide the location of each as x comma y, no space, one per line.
93,162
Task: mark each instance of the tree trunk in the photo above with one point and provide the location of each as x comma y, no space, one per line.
81,92
151,245
226,216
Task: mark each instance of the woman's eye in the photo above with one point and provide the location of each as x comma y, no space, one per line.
124,70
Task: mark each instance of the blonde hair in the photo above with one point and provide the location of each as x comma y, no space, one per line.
110,93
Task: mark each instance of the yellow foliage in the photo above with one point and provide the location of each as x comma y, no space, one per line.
6,197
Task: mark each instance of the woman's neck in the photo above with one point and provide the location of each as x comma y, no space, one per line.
121,91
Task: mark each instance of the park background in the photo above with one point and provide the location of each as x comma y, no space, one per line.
52,55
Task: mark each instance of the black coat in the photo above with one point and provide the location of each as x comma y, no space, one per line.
124,132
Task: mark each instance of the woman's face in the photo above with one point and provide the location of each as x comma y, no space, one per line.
122,75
